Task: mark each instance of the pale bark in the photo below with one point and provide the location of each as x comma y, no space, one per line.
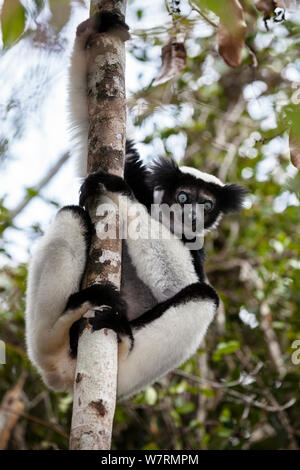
11,409
272,342
96,372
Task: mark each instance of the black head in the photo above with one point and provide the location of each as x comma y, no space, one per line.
184,185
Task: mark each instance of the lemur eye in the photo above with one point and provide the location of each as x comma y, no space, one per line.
182,198
208,205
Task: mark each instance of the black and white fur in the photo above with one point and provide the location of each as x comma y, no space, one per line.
165,306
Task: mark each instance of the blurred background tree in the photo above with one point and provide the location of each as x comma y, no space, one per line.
241,391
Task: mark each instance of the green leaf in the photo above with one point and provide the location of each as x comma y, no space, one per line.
224,432
65,403
151,446
150,396
214,5
186,408
205,439
12,21
208,392
225,415
54,203
225,348
31,192
179,388
139,14
176,417
195,424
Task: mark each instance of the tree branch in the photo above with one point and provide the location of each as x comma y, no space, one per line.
44,181
11,409
96,371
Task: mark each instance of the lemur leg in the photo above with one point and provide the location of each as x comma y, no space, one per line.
164,337
55,272
78,109
55,303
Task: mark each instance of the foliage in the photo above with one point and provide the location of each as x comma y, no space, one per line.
241,391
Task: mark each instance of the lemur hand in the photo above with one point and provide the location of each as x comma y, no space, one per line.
111,313
99,182
107,317
101,23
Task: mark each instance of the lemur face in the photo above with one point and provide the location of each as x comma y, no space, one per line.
205,195
201,202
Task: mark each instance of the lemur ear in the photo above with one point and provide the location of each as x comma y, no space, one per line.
232,198
163,173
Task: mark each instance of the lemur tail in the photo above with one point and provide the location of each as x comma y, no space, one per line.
135,174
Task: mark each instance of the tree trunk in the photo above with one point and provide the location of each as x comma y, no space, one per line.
96,372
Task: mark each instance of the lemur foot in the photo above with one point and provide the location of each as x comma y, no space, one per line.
107,317
99,295
101,23
96,182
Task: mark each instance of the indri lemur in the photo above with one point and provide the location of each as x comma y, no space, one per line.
165,305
